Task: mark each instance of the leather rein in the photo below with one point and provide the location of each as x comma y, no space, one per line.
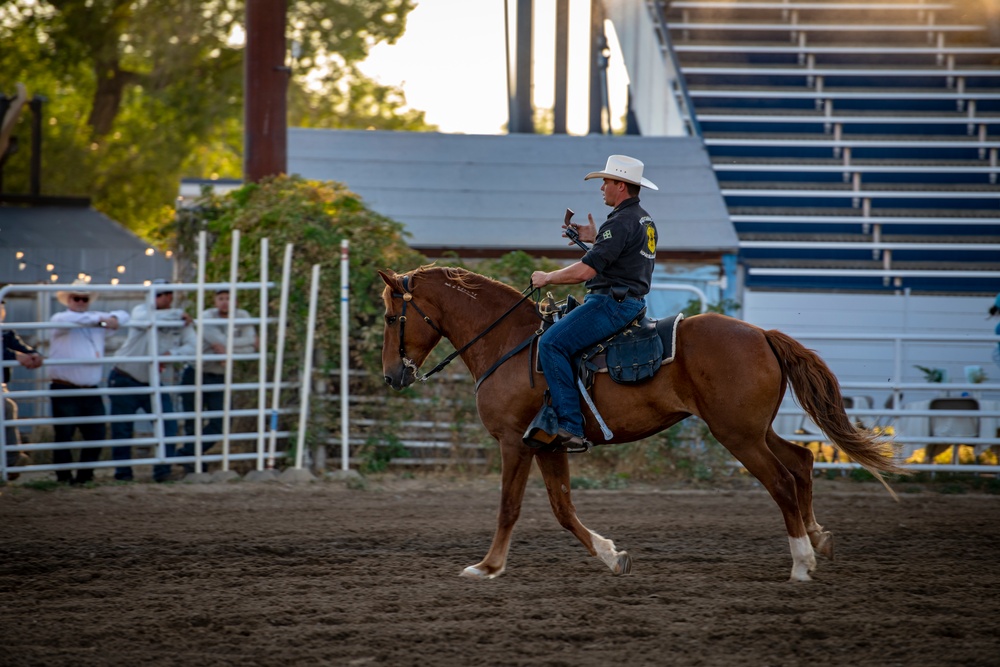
407,296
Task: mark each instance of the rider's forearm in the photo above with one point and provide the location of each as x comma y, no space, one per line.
570,275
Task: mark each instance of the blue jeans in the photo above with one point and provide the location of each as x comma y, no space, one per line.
77,406
598,318
128,404
212,398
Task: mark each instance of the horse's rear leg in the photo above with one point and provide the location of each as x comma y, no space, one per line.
516,462
799,461
780,483
555,472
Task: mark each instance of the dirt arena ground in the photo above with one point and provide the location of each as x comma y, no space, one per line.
321,574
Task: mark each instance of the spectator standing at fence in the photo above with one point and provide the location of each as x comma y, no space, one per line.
85,340
176,339
14,349
213,375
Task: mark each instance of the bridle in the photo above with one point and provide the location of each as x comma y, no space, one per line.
407,296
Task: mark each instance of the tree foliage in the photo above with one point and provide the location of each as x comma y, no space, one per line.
314,217
140,93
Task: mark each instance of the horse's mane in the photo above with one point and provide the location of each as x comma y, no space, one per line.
464,278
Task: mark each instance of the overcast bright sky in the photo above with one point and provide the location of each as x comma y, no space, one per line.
451,63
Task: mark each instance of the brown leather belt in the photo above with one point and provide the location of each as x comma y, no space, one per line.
71,385
128,375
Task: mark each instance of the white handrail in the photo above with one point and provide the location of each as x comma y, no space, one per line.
697,291
870,245
872,273
936,28
865,219
798,5
834,94
844,48
894,119
991,194
765,70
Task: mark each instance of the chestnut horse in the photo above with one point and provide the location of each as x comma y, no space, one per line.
729,373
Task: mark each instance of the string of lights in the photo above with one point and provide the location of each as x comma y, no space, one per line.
115,271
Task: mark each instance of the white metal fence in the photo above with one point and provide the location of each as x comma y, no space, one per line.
152,447
907,411
257,440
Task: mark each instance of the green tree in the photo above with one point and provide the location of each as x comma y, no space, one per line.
314,217
141,93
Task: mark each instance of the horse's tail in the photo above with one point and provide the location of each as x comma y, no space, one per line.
818,392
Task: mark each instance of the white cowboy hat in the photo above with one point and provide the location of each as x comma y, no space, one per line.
64,296
623,168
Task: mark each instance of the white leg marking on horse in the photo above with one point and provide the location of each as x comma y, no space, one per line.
803,558
618,561
473,572
822,540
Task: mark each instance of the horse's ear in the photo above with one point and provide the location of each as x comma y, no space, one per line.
389,278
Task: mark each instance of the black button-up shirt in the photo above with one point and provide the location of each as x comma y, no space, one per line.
624,251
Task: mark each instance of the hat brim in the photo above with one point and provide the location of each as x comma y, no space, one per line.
644,182
63,297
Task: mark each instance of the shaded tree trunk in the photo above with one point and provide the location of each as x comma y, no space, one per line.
111,84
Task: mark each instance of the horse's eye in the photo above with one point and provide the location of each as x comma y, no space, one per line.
390,319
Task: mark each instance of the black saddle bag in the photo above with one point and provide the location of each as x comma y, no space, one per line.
633,359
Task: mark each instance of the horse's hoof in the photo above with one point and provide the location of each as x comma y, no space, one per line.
623,564
800,576
473,572
824,545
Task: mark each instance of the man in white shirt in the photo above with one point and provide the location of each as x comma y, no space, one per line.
175,340
85,340
214,372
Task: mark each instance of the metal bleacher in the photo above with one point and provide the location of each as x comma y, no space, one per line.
856,143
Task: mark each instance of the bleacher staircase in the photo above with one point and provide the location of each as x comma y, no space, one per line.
856,143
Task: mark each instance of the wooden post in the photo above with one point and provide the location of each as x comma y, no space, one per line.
265,86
